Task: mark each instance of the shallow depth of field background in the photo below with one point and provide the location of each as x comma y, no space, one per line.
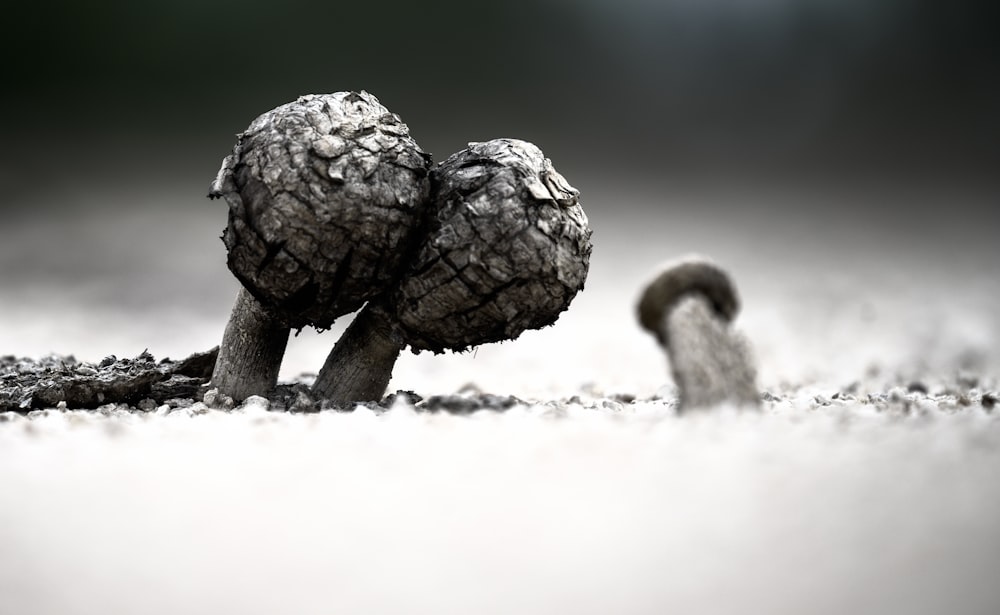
839,157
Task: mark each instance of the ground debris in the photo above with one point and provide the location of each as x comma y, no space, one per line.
296,398
28,384
467,404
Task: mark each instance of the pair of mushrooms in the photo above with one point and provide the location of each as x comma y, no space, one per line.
334,207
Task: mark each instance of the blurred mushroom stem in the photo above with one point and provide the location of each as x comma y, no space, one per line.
689,307
360,365
710,363
251,350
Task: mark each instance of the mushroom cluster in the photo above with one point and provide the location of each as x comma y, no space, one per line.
506,249
332,205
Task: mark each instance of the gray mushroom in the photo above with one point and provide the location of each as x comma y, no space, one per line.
325,197
688,307
506,249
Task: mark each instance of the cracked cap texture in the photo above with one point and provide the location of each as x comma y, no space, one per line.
506,250
325,196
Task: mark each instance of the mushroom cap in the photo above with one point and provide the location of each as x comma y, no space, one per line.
506,249
690,275
325,196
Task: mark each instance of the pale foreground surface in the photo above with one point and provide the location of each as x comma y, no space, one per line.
592,507
573,502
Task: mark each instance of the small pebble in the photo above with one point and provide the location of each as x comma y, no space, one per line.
303,403
413,399
214,399
917,387
197,409
256,405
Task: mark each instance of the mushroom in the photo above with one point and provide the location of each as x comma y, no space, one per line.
506,249
688,307
325,195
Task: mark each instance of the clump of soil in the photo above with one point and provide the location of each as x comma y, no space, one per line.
143,384
28,384
298,398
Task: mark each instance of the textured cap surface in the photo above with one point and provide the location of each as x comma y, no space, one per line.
507,249
325,195
690,276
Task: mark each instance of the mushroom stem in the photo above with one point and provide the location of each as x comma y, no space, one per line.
709,363
360,365
251,350
688,307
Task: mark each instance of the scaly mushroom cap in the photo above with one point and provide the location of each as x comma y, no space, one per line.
506,250
325,195
692,275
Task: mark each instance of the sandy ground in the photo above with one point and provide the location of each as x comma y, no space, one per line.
848,492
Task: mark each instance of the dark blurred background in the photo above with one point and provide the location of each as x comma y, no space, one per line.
668,88
808,144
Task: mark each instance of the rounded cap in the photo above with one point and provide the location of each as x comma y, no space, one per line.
691,275
325,196
507,249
